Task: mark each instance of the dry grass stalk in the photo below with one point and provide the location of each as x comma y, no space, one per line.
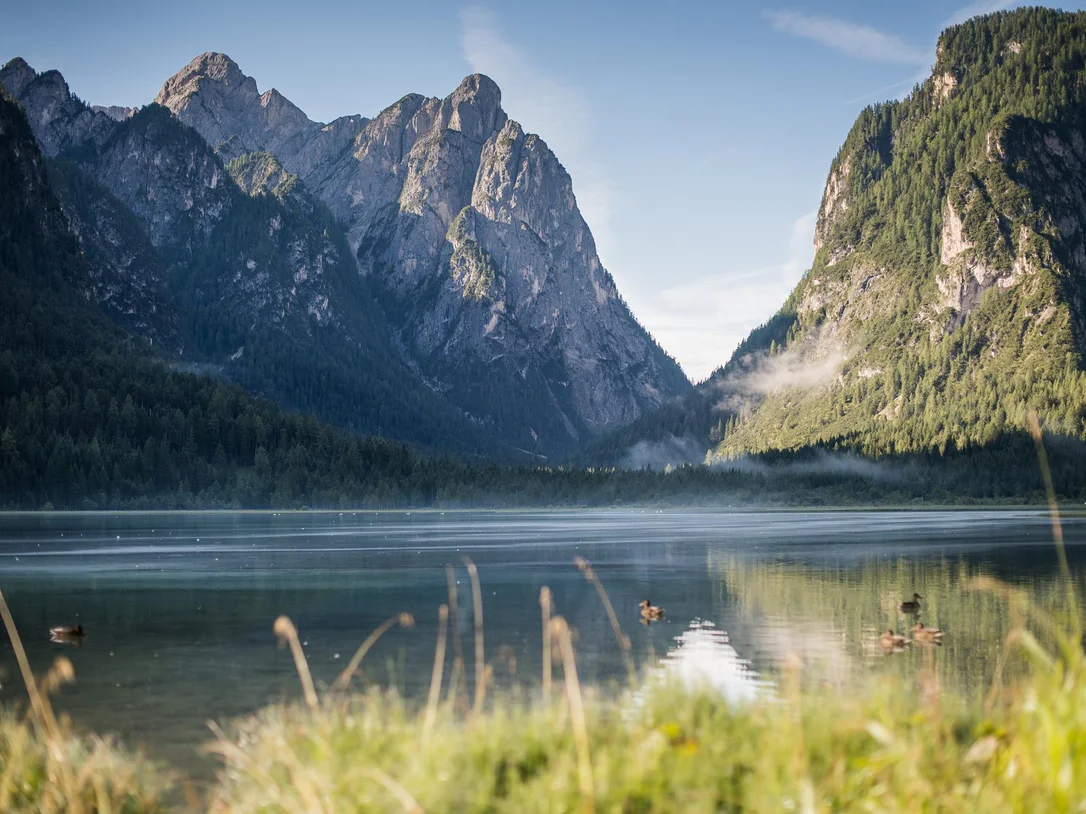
561,632
38,703
623,640
42,709
1054,512
284,629
439,667
344,679
547,606
480,659
454,620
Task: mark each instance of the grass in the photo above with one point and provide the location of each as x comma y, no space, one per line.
897,746
44,767
71,774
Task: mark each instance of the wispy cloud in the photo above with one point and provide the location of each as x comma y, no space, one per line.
557,110
853,39
702,322
977,8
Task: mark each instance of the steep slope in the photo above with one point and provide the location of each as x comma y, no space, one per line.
88,419
946,296
469,231
128,278
266,287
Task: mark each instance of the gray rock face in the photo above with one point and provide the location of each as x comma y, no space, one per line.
469,230
185,201
127,276
59,120
236,118
116,112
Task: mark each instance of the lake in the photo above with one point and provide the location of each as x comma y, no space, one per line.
179,608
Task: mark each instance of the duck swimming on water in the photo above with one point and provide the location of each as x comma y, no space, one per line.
67,634
911,605
923,633
892,641
650,612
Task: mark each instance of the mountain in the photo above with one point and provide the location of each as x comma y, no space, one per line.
468,230
947,293
90,419
257,283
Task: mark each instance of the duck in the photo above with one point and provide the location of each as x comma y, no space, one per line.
923,633
911,605
650,612
67,634
892,641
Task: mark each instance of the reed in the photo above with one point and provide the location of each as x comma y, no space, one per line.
343,681
623,640
44,767
546,605
454,619
285,630
439,664
560,631
480,656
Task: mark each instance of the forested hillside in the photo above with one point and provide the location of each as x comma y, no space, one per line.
946,296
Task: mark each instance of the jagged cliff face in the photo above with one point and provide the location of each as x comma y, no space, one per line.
247,275
945,298
469,231
126,274
463,263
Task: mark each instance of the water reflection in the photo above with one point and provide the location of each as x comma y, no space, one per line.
703,658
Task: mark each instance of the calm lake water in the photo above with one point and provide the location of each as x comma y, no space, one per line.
179,608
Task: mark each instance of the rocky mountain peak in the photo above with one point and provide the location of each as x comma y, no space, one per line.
209,66
59,120
476,107
16,75
214,96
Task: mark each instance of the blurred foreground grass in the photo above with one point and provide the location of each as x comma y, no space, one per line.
889,744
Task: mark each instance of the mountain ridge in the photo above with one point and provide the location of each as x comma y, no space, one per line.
429,190
492,295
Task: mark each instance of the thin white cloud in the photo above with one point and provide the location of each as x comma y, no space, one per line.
558,111
702,322
853,39
976,9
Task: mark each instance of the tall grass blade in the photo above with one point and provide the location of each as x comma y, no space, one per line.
1057,525
344,679
439,667
623,640
410,805
454,620
560,631
546,604
284,629
43,710
480,659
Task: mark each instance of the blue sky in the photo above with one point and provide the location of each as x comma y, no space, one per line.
698,132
